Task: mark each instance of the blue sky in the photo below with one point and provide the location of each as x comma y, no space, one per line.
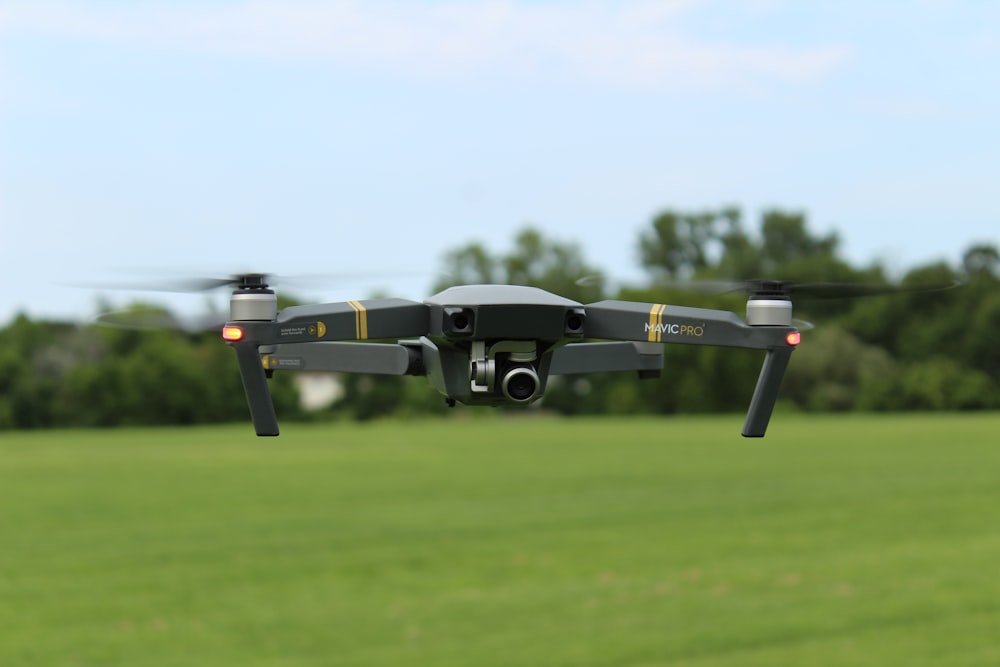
370,137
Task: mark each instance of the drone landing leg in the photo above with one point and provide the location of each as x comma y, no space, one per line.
766,393
265,421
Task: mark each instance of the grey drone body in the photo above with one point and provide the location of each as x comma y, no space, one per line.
492,344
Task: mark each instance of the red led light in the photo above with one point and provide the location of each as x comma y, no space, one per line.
793,338
232,333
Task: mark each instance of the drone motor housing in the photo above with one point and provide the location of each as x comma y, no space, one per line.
769,311
260,305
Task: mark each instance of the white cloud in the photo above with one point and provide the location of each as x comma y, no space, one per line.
636,44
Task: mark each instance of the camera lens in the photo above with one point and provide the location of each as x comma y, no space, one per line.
520,384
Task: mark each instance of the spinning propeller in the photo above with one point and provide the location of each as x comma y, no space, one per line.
195,284
155,318
769,301
779,289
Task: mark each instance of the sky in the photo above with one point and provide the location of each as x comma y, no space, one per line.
366,139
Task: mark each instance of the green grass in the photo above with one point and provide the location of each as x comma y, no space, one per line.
500,542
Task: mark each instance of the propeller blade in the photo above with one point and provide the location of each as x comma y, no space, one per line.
187,284
853,291
156,320
590,280
783,288
179,285
708,286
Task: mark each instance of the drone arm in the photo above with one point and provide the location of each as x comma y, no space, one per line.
661,323
265,422
766,393
345,357
350,320
602,357
346,321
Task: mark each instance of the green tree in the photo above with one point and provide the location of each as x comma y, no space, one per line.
68,375
834,371
981,260
940,383
32,357
680,244
471,264
786,242
912,351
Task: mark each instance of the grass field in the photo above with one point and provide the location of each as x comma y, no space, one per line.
501,542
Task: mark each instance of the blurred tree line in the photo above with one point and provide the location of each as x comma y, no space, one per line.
914,351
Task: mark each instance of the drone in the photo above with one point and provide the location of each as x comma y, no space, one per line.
494,345
498,345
